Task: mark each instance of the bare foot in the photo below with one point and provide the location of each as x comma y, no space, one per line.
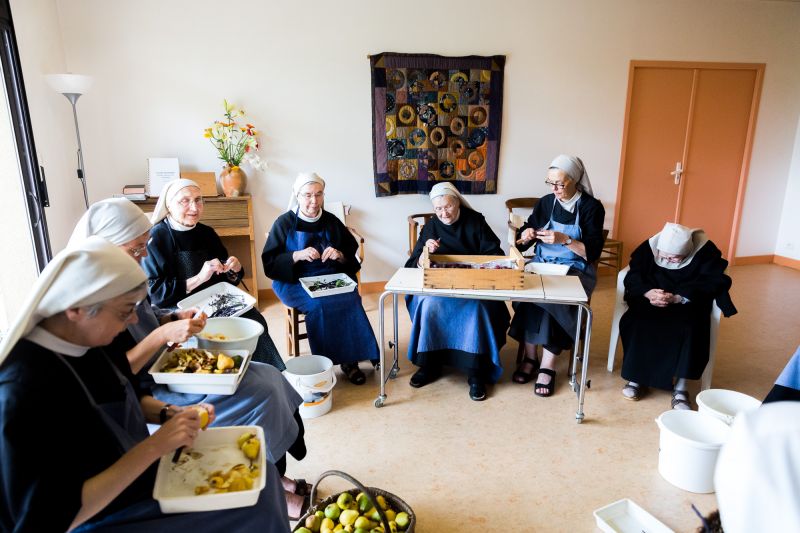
294,504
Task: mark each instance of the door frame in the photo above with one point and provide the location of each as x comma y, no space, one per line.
748,146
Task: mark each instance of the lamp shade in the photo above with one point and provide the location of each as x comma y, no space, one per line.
69,83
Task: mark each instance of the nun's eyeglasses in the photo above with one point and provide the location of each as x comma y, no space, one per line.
309,196
556,186
184,202
138,251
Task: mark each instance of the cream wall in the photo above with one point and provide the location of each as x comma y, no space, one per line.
788,244
300,69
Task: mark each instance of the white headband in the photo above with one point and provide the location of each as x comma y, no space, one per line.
447,189
167,194
576,170
302,179
117,220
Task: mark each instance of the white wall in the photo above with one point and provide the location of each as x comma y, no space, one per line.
788,244
300,69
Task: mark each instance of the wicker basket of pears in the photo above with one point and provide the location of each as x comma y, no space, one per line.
359,510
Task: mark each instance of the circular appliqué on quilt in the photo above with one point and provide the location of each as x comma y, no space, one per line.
406,114
457,126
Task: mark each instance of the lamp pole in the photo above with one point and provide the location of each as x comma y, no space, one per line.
73,99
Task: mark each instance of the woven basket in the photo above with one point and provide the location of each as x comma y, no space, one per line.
372,493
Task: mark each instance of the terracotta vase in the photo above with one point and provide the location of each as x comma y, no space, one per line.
233,181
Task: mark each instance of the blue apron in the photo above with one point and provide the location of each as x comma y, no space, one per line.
337,325
566,316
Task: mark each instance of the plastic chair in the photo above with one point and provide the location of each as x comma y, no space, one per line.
415,225
294,318
621,306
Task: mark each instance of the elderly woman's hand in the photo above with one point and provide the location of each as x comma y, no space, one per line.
660,298
527,236
551,237
180,330
308,254
432,245
233,264
180,430
210,267
332,253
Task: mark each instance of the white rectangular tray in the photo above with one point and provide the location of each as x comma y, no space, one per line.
200,299
175,483
624,516
200,383
547,269
306,283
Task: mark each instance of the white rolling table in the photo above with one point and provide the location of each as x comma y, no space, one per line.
565,290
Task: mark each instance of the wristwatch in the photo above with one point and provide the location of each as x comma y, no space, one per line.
568,241
162,415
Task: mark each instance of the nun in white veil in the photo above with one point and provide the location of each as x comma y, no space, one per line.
264,397
673,279
566,226
76,454
308,241
185,256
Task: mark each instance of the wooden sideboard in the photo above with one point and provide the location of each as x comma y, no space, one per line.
232,219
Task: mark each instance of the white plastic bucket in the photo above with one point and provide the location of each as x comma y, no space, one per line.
688,447
313,378
725,404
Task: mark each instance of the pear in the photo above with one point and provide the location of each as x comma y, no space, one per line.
203,416
344,500
327,523
363,502
224,362
402,520
320,514
303,530
360,530
313,523
332,511
251,448
390,515
348,517
382,502
244,438
362,522
373,515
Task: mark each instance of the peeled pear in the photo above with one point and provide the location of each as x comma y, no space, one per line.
251,448
224,362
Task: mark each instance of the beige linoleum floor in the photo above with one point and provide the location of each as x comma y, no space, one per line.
516,462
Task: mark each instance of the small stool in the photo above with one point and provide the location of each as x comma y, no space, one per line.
611,256
293,335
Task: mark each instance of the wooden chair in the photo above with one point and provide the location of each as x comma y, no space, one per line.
611,256
415,225
516,220
294,318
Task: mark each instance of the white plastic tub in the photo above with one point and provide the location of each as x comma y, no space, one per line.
225,384
725,404
202,298
240,334
624,516
313,378
306,283
689,443
175,483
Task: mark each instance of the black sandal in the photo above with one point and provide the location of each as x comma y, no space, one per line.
520,376
354,374
549,387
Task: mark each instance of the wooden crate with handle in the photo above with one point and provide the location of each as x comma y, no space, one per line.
474,271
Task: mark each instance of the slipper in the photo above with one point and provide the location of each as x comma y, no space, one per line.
549,387
354,374
680,400
302,488
520,376
632,392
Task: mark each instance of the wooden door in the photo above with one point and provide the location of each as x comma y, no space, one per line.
686,149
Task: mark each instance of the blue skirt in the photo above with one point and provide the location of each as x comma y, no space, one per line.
268,515
264,398
472,326
337,325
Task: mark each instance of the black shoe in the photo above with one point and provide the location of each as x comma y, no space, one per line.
353,373
423,376
477,391
376,364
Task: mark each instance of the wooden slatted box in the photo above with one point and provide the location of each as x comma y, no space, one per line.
473,278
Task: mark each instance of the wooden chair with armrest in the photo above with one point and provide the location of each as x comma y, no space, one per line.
415,224
294,318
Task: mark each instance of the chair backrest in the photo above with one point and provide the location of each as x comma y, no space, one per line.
520,203
339,209
415,225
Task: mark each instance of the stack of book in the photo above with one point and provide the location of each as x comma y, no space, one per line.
133,192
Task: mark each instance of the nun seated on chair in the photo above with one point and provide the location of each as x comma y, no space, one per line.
76,454
185,256
674,277
567,228
467,334
309,241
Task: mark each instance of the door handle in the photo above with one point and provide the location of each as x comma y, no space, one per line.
677,172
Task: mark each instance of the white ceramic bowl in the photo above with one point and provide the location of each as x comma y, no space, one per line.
240,334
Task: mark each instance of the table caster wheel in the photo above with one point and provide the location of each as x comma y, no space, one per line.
579,418
379,401
393,373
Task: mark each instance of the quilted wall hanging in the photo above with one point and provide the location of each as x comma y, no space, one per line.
434,119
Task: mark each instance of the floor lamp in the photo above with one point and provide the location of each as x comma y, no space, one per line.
73,86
